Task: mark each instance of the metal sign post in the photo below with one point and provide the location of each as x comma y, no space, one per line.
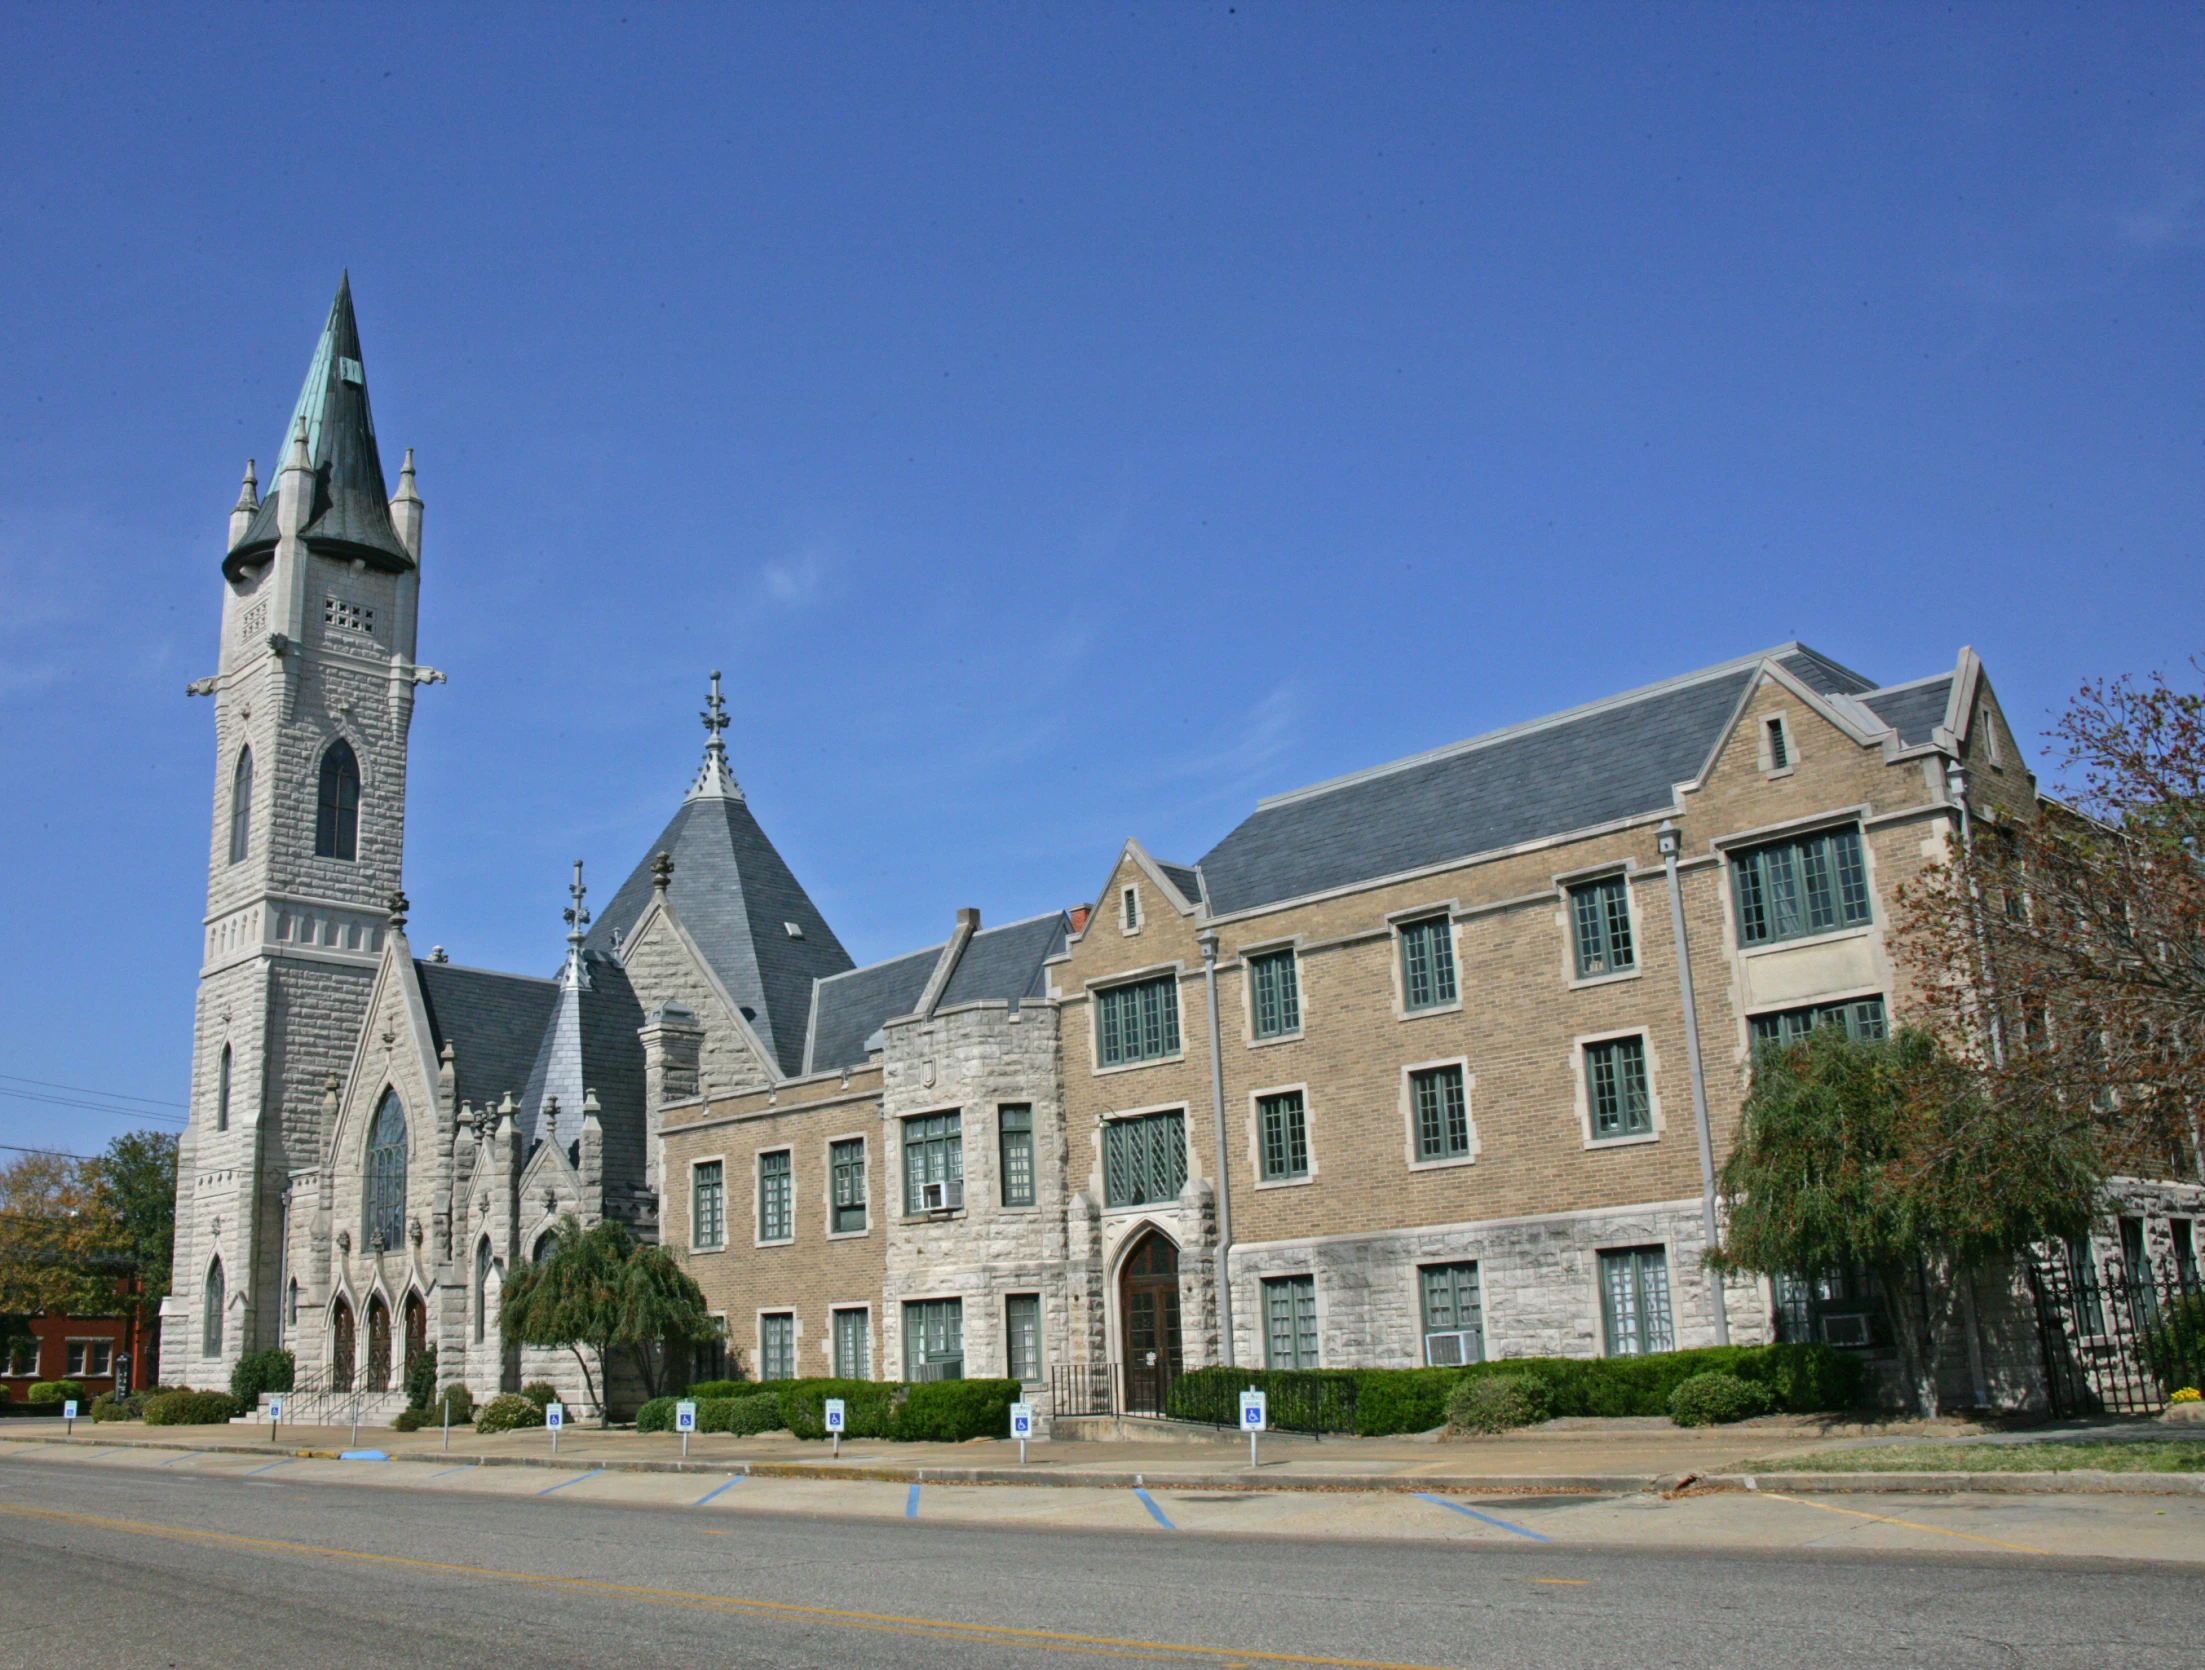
685,1422
837,1413
555,1417
1022,1427
447,1422
275,1415
69,1415
1255,1410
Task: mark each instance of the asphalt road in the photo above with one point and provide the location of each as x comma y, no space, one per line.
170,1569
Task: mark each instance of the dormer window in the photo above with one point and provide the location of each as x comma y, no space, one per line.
1129,910
1778,745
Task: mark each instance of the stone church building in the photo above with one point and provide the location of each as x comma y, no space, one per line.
1428,1064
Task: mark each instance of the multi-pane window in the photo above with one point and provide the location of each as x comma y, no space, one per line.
1441,1109
92,1357
776,1197
1634,1301
352,617
1022,1335
337,803
1427,964
1144,1159
934,1339
1615,1084
1862,1017
933,1152
386,1176
1282,1136
1275,994
707,1204
777,1346
1014,1136
23,1356
846,1167
1290,1321
1601,911
1811,885
1139,1022
853,1345
1454,1314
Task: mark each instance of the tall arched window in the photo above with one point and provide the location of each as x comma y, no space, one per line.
222,1093
386,1175
241,807
482,1288
337,811
210,1332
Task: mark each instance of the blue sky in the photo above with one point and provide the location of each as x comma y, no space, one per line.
1059,423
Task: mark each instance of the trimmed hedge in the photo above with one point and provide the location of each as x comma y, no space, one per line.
868,1407
951,1411
460,1398
192,1409
740,1416
719,1388
56,1391
656,1416
1717,1400
261,1371
108,1407
1497,1402
509,1413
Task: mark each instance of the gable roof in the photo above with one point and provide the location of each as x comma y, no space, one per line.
494,1023
998,965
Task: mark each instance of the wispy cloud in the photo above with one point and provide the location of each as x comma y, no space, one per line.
799,580
2172,212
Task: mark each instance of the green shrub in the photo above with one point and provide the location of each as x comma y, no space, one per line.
410,1420
2174,1346
509,1414
1498,1402
1403,1400
541,1393
421,1380
868,1407
461,1400
192,1409
719,1388
951,1411
108,1407
1716,1400
261,1371
57,1391
656,1416
742,1416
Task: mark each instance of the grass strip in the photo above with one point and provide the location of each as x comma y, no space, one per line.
2136,1456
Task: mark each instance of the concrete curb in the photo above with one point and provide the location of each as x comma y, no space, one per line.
2077,1482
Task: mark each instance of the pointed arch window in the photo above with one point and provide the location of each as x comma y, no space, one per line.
210,1330
482,1288
386,1175
241,807
337,807
222,1094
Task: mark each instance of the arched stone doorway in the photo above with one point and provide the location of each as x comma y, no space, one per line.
417,1333
342,1348
378,1363
1148,1309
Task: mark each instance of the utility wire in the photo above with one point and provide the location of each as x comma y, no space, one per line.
86,1090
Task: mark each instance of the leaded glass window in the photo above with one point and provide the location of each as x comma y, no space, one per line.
1861,1017
386,1175
1427,964
1144,1159
222,1093
482,1291
1282,1131
1139,1022
933,1152
1290,1321
337,804
1275,994
1014,1132
708,1208
853,1345
1441,1108
846,1163
934,1339
1602,913
1022,1335
1634,1301
777,1346
1615,1082
1790,889
217,1298
776,1206
1454,1309
241,806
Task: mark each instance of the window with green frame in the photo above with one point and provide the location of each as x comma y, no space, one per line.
708,1204
1282,1131
1274,994
776,1197
1454,1308
1862,1017
1601,911
1144,1158
1615,1084
846,1166
934,1339
1634,1301
853,1345
1022,1335
933,1152
1427,963
1441,1108
1290,1321
777,1346
1137,1022
1789,889
1014,1135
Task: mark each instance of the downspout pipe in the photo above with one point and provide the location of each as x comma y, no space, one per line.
1669,840
1208,942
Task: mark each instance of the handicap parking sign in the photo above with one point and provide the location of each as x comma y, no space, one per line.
1022,1420
835,1414
69,1410
685,1416
1254,1410
275,1408
555,1415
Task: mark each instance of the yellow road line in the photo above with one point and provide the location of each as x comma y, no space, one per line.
1561,1580
893,1623
1934,1530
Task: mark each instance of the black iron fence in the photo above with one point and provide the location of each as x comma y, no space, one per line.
1083,1389
1298,1402
2118,1337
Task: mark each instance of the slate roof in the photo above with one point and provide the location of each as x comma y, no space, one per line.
1574,770
735,894
998,964
593,1048
1005,963
494,1023
351,514
1186,879
1913,710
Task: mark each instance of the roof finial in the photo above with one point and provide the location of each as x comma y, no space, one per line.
662,871
714,780
298,459
577,919
248,495
398,909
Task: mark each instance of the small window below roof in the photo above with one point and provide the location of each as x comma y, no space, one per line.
1129,910
1778,750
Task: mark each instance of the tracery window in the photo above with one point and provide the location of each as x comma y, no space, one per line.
337,806
386,1175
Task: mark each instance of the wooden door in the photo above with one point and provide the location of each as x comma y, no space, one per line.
378,1363
1148,1288
341,1349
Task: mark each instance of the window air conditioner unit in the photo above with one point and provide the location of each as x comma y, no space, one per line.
1845,1330
1450,1350
941,1197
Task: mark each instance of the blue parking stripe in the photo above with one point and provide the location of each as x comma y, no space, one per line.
577,1479
271,1467
1488,1518
1154,1512
449,1471
911,1504
192,1455
716,1489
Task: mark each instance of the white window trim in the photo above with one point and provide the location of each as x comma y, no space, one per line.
1255,1137
1248,956
690,1205
1764,752
757,1196
1469,1111
827,1192
1578,1047
1395,922
1564,886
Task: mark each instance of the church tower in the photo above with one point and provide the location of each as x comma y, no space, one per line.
313,697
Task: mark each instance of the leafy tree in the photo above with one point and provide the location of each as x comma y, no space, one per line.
55,1254
1886,1155
133,1188
597,1288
